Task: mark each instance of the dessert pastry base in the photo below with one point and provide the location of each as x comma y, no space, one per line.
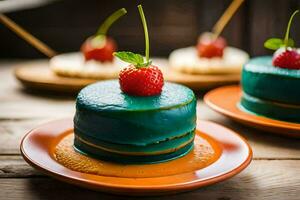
205,152
37,75
186,60
231,155
74,65
226,100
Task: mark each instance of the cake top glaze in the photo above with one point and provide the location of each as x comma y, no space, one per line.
107,96
264,64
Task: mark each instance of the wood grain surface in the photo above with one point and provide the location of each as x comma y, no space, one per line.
274,174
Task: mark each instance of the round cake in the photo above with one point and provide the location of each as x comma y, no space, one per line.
271,91
187,60
114,126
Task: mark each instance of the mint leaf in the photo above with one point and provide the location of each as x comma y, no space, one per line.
273,43
130,57
276,43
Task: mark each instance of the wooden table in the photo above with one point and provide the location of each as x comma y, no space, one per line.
273,174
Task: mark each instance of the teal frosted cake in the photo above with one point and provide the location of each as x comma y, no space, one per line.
114,126
271,91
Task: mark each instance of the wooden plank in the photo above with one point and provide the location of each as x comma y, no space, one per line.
36,109
19,104
12,132
16,167
259,181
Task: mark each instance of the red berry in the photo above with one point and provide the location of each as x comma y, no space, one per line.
289,59
143,81
209,47
103,53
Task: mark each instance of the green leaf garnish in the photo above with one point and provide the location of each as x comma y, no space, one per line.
276,43
129,57
132,58
110,20
136,59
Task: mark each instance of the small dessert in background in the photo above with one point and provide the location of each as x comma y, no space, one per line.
96,58
271,84
211,55
138,119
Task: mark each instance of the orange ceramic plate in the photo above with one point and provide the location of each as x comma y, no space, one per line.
225,100
38,148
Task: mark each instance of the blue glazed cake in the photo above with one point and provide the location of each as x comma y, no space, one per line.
113,126
271,91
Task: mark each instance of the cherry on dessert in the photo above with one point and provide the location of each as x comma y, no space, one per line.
99,50
100,47
209,47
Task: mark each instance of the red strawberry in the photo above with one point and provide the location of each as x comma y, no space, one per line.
102,52
289,59
209,47
142,81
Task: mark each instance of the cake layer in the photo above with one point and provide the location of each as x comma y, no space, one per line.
151,154
261,79
160,147
106,114
157,157
267,108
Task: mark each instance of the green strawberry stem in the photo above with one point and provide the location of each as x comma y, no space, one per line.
110,20
286,37
145,32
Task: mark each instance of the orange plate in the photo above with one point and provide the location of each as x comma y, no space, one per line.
38,145
225,100
37,75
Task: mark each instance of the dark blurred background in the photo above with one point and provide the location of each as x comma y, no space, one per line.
64,24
